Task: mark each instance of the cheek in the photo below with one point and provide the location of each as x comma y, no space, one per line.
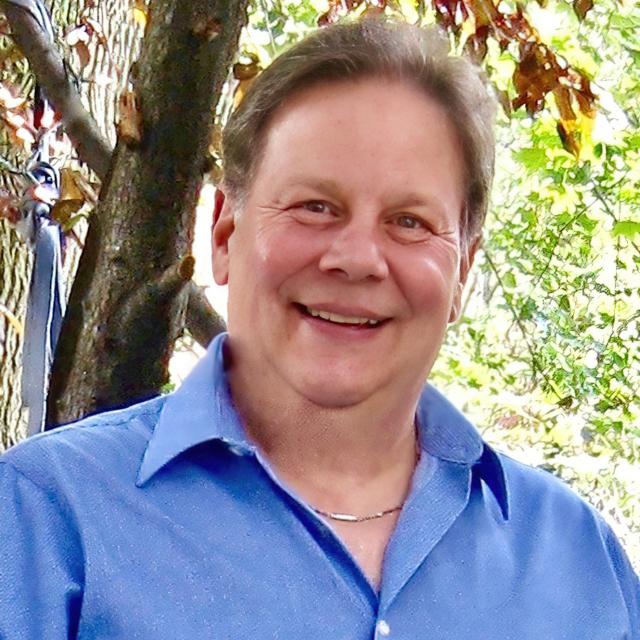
274,255
428,280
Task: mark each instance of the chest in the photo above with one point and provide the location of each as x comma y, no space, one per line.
367,542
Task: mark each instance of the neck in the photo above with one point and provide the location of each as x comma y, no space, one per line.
357,459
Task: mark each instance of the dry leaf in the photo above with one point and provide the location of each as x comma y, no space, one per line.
69,189
63,210
241,89
130,125
247,71
582,7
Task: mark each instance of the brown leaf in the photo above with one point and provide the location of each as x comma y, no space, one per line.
84,56
568,139
334,13
535,76
582,7
247,71
63,210
69,189
476,45
130,124
562,96
484,12
241,90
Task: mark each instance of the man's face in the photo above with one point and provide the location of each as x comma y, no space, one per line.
344,265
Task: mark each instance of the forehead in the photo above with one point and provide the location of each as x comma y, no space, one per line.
374,132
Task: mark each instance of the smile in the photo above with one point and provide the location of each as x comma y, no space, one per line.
337,318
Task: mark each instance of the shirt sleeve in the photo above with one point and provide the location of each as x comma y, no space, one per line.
41,563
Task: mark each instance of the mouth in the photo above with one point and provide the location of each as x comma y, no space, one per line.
354,321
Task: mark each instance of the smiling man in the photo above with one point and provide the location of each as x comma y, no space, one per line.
304,482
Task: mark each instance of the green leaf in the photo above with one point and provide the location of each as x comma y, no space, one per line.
626,228
533,158
509,280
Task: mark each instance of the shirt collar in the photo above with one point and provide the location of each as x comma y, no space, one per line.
202,410
446,434
199,411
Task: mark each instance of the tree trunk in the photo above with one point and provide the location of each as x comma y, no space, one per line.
128,298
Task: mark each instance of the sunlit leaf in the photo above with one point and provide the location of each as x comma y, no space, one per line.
627,228
140,13
509,280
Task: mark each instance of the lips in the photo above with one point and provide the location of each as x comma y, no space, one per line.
354,319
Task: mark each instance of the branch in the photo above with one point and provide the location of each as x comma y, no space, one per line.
525,336
48,66
202,321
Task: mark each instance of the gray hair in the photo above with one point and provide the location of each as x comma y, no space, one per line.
372,47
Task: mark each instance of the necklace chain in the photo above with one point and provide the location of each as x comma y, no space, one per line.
349,517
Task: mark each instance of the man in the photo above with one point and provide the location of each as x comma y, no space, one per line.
303,482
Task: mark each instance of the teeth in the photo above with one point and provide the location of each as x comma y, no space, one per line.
335,317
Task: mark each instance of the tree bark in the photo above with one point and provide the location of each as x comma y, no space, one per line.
15,263
129,296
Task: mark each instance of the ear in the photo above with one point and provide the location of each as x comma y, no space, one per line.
221,231
466,262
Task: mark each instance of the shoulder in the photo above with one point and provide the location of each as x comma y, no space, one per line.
111,442
537,495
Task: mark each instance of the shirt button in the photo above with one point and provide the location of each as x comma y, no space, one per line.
383,628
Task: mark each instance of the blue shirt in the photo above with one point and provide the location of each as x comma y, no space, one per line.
161,521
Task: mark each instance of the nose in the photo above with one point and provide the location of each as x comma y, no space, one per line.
356,253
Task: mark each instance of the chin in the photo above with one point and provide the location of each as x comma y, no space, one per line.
332,392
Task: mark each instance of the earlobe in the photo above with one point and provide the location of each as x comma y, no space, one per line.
221,231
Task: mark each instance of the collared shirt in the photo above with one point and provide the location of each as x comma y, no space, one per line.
162,521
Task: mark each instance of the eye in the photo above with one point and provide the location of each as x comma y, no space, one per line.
407,227
316,206
409,222
314,212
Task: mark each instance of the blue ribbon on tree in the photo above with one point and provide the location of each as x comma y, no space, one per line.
46,301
